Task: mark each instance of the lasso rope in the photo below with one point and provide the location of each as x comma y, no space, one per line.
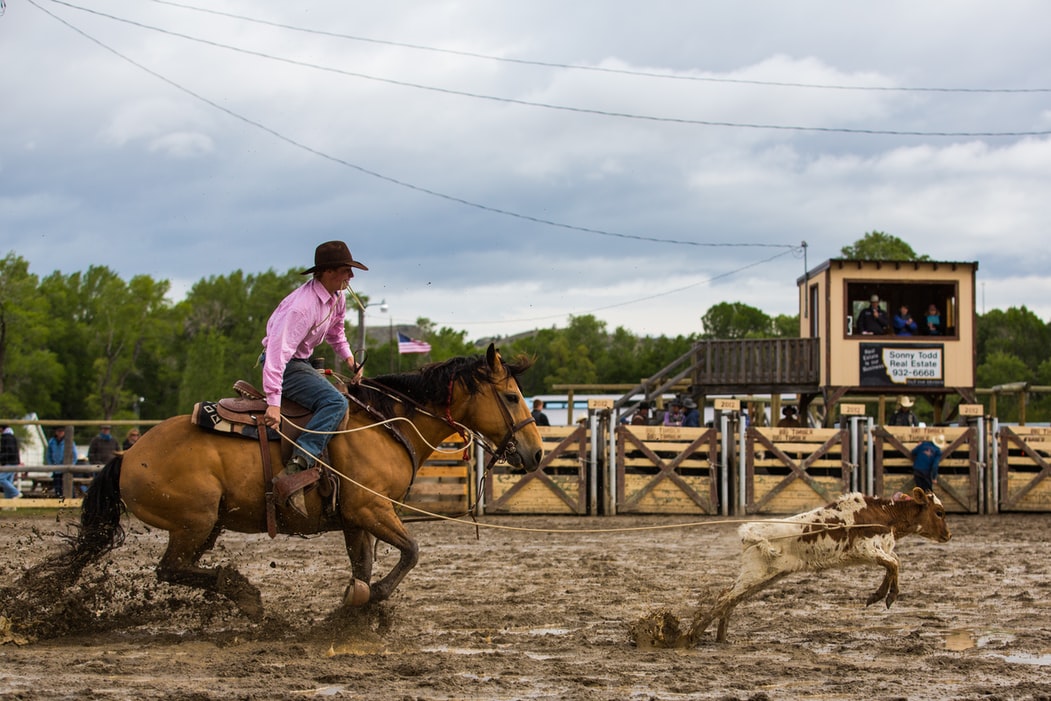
523,529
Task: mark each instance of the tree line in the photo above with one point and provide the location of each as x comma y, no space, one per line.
90,345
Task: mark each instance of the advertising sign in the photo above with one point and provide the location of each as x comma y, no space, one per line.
902,365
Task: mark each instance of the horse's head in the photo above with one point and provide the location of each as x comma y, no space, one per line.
498,411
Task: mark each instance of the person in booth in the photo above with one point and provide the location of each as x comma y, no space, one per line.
903,322
872,321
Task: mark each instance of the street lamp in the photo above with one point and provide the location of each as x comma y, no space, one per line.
361,319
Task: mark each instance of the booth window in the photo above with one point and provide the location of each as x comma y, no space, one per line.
918,296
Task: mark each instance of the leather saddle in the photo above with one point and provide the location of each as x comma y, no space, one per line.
242,416
238,416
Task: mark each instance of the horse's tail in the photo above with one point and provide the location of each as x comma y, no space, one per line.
100,530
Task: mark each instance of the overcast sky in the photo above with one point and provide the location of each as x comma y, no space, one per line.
501,166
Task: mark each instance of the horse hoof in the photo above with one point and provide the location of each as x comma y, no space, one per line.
357,594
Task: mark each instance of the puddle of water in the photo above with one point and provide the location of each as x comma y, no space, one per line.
960,640
1018,658
458,650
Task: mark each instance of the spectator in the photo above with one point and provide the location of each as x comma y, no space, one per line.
789,417
674,415
102,447
934,321
56,455
903,415
9,456
872,320
129,440
926,457
903,323
641,417
757,414
692,416
538,413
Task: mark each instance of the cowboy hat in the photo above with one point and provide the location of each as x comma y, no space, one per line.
939,441
332,254
906,402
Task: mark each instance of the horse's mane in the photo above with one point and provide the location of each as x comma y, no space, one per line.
431,383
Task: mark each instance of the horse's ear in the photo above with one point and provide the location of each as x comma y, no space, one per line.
491,356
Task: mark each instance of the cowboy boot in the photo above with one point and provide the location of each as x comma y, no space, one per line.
295,500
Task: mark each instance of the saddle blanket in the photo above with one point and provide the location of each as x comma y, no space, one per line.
206,415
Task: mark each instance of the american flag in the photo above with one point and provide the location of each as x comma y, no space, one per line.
412,345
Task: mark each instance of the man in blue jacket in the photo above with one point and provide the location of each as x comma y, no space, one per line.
925,460
56,455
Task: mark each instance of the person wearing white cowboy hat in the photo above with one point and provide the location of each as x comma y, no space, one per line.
310,314
872,320
926,457
903,416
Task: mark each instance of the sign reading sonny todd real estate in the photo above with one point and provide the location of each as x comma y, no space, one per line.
900,365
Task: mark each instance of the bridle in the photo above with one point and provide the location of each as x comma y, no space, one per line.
508,446
504,451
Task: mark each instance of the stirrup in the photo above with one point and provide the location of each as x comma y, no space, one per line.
286,484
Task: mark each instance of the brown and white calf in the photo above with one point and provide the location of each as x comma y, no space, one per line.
853,530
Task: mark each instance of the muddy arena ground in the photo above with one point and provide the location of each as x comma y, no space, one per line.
550,613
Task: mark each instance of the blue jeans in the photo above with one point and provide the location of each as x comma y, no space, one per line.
922,480
7,483
303,385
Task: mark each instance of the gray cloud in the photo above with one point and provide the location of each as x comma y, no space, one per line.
105,164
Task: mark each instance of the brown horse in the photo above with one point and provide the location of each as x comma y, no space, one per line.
194,483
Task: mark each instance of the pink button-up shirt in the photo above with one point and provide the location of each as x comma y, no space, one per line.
305,318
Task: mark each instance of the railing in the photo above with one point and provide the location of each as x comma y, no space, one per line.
773,364
36,484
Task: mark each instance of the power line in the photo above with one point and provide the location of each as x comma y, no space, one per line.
379,176
647,298
596,69
551,106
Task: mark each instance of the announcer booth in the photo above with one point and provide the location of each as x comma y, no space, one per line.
933,360
936,364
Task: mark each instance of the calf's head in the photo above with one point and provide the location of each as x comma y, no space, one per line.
929,517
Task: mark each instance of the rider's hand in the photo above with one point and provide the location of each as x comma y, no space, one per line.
356,369
272,417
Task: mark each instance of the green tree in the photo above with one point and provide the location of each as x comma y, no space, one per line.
224,324
30,373
877,245
1017,331
534,346
1001,368
736,320
103,327
786,326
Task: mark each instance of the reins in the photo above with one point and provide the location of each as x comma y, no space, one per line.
497,452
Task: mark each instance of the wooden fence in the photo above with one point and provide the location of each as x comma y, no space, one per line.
558,486
1024,468
666,470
